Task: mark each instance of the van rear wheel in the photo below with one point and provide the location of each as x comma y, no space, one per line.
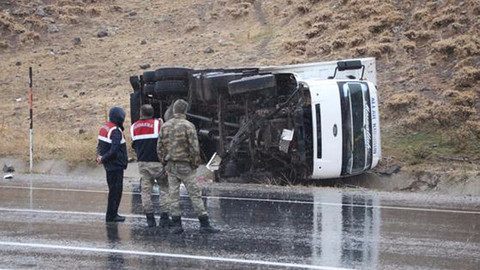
251,84
163,74
171,87
149,76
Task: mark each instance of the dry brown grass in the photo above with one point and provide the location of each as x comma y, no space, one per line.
467,77
449,116
49,145
296,46
421,35
401,102
238,10
466,98
65,146
459,46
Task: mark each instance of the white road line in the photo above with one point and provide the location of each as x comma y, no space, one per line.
423,209
277,201
64,189
169,255
3,209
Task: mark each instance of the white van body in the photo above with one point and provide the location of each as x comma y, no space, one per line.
314,120
340,149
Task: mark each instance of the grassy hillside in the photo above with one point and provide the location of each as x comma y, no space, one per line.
428,60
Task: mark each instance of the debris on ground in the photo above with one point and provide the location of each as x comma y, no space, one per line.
102,33
420,185
40,11
52,28
77,41
8,176
208,50
424,182
389,171
144,65
8,168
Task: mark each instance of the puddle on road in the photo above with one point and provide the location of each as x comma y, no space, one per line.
322,229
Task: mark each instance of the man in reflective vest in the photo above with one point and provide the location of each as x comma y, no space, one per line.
145,136
112,153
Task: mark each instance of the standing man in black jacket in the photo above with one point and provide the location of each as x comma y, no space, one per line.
112,153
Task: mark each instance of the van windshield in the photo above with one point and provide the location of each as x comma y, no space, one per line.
356,127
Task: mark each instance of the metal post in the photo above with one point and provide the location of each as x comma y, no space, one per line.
221,124
251,134
30,104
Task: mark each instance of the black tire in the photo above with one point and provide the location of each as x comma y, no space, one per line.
214,83
149,89
149,76
135,103
219,81
135,82
173,87
164,74
251,84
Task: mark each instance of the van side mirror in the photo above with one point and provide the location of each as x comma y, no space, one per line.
349,65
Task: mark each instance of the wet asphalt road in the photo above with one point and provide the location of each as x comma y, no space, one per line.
46,224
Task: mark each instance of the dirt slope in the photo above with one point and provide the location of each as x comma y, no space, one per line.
428,59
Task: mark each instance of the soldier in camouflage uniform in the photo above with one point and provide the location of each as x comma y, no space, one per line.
178,148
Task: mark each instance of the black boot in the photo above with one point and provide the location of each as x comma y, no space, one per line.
151,220
205,226
165,221
117,218
176,225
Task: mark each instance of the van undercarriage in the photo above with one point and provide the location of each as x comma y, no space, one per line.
255,124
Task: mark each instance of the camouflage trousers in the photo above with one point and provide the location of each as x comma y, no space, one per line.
149,172
182,172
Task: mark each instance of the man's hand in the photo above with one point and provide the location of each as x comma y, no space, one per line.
99,159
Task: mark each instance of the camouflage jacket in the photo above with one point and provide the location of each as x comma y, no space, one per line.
178,141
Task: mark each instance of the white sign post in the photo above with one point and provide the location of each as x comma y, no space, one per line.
30,104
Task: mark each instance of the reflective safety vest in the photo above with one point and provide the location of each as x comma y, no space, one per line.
118,159
105,134
144,134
